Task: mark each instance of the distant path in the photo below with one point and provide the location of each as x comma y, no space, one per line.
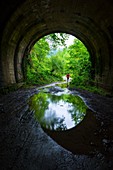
55,83
52,84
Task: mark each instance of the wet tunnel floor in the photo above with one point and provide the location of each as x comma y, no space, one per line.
24,145
75,126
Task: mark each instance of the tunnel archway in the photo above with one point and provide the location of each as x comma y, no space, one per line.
35,19
23,22
55,55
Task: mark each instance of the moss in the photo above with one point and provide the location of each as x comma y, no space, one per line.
93,89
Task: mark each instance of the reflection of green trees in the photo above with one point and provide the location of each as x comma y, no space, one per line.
79,109
40,102
54,98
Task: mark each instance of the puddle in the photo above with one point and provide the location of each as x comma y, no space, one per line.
68,121
56,109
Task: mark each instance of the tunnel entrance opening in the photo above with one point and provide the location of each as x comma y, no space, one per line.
55,55
22,30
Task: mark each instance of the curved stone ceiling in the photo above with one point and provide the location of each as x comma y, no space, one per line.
90,21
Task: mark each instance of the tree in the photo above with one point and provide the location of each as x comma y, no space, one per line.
51,63
57,39
79,63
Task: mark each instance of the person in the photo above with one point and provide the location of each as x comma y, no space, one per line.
68,76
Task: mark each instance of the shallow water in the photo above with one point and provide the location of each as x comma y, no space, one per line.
57,109
68,121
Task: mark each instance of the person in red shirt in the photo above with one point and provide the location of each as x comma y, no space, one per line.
68,76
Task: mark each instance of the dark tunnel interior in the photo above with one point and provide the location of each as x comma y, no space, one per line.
22,23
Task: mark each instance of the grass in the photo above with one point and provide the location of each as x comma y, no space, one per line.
93,89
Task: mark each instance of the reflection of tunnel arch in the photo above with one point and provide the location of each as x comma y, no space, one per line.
35,19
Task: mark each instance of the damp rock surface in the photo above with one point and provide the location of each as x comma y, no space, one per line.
25,146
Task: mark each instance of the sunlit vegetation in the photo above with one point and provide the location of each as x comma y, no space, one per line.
50,59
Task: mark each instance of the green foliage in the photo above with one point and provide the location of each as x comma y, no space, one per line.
43,68
94,89
37,63
57,65
57,39
79,63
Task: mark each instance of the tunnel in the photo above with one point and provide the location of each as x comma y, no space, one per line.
23,22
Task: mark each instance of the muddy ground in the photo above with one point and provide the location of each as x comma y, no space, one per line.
25,146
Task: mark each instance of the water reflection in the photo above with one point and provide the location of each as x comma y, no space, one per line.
56,110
